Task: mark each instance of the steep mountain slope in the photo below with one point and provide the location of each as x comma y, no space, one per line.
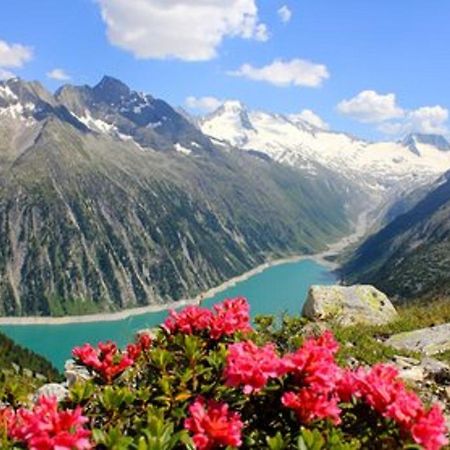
385,170
410,256
110,199
13,355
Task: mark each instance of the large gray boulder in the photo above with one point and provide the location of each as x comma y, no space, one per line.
429,341
348,305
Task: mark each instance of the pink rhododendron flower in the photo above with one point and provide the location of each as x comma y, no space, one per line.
316,374
46,428
387,394
230,316
313,364
251,366
190,320
213,425
430,429
405,408
107,361
144,341
379,386
310,405
348,385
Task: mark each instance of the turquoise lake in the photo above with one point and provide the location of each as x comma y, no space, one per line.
278,289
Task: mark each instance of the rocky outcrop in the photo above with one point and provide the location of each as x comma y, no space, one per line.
348,305
57,390
428,341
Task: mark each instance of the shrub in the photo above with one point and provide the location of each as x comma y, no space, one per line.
208,380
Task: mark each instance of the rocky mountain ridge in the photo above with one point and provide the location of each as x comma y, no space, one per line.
409,257
384,170
111,199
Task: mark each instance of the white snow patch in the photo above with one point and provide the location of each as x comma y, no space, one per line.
19,111
179,148
6,92
96,124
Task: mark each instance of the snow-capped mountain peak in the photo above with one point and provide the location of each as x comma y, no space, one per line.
414,140
230,122
375,167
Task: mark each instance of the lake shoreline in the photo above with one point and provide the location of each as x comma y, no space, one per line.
320,258
125,314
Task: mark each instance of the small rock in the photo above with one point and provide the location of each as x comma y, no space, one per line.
352,362
28,373
51,390
152,332
406,361
415,373
428,341
74,372
40,377
314,329
349,305
447,393
434,366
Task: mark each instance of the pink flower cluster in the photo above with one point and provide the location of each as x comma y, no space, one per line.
143,343
319,385
315,374
213,425
106,360
228,317
251,366
46,428
382,390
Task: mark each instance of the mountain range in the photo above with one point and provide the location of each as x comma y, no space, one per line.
386,171
111,198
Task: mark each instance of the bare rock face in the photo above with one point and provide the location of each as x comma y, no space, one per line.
75,373
349,305
428,341
59,391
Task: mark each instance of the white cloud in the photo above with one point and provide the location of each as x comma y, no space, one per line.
427,119
14,55
5,74
285,14
203,104
190,30
297,72
58,74
371,107
310,117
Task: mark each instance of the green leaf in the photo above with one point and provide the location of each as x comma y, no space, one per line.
310,440
276,442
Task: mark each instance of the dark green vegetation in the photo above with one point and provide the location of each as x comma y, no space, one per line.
21,372
410,257
101,221
13,354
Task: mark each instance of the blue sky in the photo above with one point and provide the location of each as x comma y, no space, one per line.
378,69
